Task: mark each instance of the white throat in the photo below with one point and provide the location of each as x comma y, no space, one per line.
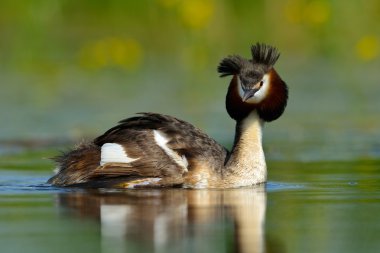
247,161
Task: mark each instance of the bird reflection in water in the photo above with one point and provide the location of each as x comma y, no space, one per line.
174,220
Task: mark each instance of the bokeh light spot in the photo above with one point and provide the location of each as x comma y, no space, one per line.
313,13
111,52
317,12
197,14
168,3
293,11
368,47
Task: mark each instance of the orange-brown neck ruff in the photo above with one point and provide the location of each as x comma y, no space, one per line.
269,109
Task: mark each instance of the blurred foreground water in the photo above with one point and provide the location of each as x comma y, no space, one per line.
305,207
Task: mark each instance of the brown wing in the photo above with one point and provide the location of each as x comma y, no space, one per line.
136,135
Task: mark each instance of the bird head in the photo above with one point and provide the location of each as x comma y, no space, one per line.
255,84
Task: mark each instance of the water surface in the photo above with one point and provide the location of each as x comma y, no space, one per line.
305,207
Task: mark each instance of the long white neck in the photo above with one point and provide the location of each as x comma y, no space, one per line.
246,164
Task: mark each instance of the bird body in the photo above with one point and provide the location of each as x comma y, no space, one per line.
156,150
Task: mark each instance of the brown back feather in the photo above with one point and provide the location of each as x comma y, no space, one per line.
81,165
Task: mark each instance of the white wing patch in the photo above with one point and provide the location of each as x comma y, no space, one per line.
56,170
161,141
114,153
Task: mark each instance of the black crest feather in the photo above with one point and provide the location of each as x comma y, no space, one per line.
264,54
231,65
261,54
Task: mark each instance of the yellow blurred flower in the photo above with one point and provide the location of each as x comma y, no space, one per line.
97,54
293,11
368,47
315,12
168,3
197,14
111,51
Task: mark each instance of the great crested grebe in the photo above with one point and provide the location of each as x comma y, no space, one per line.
155,150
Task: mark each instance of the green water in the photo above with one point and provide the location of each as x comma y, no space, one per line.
305,207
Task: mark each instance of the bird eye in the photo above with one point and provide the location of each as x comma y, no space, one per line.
261,83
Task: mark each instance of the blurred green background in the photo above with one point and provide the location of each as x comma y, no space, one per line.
71,69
